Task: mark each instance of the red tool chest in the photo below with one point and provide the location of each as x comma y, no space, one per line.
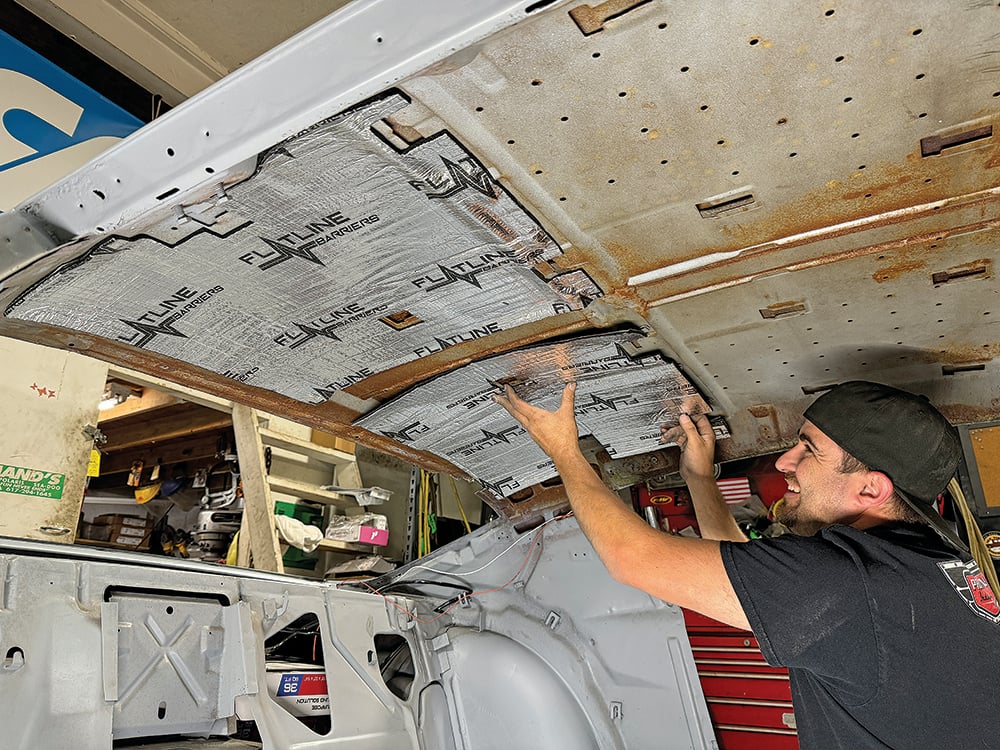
750,702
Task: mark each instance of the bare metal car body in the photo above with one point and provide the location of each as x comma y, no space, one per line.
765,198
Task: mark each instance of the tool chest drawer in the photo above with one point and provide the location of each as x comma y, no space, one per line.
749,701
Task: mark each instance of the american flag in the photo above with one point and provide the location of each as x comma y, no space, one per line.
735,491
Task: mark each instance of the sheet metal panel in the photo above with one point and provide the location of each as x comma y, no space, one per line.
784,117
347,57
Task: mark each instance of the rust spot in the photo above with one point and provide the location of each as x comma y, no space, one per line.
608,270
620,257
894,186
784,309
915,243
888,186
768,426
406,133
971,413
969,353
889,273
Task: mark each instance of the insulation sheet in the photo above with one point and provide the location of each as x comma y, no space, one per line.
621,400
341,257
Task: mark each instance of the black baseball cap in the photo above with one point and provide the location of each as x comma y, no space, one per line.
897,433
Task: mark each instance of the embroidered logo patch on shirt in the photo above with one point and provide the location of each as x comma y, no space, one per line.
972,586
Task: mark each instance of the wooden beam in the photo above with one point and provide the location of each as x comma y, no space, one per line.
243,543
182,420
258,511
197,451
149,400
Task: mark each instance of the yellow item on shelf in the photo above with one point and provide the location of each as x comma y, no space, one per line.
144,494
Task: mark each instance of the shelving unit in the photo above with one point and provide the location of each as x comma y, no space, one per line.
341,460
259,543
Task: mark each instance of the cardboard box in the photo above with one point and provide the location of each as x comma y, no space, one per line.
300,692
332,441
124,530
94,532
121,519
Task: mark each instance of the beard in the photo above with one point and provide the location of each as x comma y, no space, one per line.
792,518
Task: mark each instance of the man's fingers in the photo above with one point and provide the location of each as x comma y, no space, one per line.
521,409
696,426
509,400
670,434
704,426
568,395
689,426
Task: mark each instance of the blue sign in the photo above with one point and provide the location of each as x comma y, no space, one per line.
44,110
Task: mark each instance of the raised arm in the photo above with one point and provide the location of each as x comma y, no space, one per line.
696,439
686,572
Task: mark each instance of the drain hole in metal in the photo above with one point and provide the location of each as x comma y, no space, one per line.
14,659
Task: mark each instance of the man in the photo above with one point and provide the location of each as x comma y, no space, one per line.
891,637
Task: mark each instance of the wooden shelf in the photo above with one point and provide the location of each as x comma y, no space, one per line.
111,545
310,492
297,445
332,545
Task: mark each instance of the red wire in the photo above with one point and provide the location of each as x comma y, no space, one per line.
513,578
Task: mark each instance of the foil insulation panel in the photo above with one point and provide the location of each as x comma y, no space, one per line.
341,257
622,398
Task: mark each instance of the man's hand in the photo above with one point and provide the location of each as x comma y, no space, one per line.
687,572
554,431
696,439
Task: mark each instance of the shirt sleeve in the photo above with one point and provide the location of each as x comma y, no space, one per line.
807,602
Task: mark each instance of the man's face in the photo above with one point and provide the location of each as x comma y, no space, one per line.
818,493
